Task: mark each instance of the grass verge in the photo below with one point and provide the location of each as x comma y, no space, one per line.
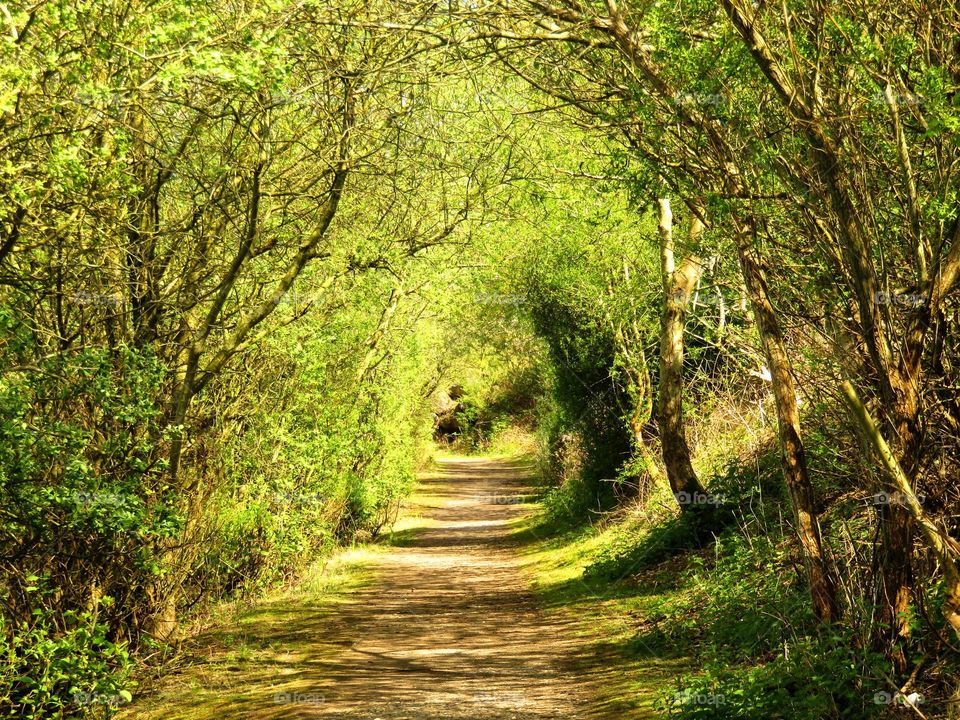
249,664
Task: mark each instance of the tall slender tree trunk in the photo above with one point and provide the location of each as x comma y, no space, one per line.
678,283
793,455
638,373
898,526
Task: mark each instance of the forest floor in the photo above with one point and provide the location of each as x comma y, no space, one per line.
438,622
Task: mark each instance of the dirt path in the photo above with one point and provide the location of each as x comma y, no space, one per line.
446,630
450,629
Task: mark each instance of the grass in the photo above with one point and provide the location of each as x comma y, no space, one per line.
699,614
633,675
236,668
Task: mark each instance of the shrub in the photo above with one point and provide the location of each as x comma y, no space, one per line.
54,666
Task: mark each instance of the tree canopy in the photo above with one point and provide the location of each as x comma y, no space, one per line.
245,247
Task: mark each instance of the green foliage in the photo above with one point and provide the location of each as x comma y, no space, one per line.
216,351
80,475
694,529
240,251
814,678
743,494
81,482
56,665
317,460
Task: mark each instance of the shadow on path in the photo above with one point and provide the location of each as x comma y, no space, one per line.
448,630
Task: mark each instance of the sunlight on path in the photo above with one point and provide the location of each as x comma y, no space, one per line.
446,630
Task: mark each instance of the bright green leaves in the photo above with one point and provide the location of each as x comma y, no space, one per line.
55,667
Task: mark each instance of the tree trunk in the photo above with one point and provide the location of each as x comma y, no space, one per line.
640,390
792,453
894,589
677,286
945,548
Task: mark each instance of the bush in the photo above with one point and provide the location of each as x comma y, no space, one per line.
762,655
816,678
82,480
61,666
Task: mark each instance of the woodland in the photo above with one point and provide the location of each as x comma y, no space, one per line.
698,260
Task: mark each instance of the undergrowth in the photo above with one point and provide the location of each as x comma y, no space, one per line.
721,587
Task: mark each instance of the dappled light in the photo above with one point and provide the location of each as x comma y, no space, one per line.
520,359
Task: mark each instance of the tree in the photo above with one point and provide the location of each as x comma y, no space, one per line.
692,151
678,285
